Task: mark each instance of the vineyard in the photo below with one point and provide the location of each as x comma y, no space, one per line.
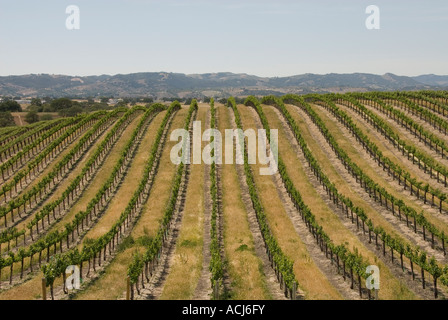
361,182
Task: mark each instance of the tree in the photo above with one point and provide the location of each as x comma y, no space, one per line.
223,101
6,119
147,100
239,100
32,117
171,99
71,112
46,117
36,102
121,104
61,104
36,105
47,108
10,105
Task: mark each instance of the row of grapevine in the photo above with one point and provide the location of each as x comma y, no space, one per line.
439,96
420,186
82,218
368,184
56,208
282,265
351,260
101,199
216,261
346,205
434,103
423,113
8,134
59,206
430,139
39,163
55,176
142,266
425,99
93,251
397,173
11,148
412,152
9,235
10,166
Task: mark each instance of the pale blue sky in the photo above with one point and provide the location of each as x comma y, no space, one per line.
265,38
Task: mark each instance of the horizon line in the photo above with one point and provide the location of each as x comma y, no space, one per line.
220,72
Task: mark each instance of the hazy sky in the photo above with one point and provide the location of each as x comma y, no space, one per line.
265,38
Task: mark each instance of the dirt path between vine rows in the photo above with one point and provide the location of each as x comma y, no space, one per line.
154,289
203,289
317,256
393,220
414,286
260,249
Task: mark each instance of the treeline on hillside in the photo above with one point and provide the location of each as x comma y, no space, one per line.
6,107
187,101
66,107
40,108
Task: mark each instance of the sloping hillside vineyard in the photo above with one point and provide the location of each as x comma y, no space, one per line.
93,207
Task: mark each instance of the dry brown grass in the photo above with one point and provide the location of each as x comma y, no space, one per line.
387,149
123,195
115,273
392,153
102,174
425,124
32,288
311,280
54,161
391,287
244,266
68,179
186,268
343,186
358,157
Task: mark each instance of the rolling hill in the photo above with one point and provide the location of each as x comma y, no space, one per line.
163,84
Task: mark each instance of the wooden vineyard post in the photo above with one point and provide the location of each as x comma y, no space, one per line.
294,291
44,289
216,291
128,288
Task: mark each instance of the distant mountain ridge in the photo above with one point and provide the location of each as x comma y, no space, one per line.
433,80
164,84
